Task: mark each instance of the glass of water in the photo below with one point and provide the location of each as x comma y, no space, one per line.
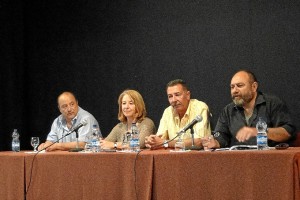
35,141
179,145
125,141
88,144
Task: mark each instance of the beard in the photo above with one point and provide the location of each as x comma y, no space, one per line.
240,101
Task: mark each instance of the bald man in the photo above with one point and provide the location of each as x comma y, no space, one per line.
237,122
71,116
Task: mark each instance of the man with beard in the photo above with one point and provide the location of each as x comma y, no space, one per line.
71,116
182,110
237,123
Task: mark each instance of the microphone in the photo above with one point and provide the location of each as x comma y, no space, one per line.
81,124
197,119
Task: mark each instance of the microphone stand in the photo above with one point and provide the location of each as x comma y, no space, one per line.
193,147
77,149
192,132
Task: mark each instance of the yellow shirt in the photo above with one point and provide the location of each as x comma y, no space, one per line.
170,123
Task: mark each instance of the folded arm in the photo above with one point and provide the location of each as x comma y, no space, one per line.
65,146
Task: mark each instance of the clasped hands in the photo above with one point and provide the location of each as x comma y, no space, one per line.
154,141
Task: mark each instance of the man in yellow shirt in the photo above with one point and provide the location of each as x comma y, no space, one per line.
182,111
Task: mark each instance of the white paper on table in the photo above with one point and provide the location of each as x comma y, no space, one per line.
173,151
34,152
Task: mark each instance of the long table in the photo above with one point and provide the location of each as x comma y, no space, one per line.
64,175
227,175
159,174
12,179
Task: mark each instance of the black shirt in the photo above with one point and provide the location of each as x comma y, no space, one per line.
232,119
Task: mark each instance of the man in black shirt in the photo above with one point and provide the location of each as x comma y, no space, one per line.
236,124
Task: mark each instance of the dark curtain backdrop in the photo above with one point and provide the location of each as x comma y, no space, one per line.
99,48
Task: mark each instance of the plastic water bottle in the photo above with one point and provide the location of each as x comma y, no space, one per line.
88,145
135,138
15,144
262,138
95,138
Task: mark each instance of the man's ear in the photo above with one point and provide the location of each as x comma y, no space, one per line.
254,86
188,94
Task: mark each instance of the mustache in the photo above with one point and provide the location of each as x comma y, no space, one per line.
236,95
175,104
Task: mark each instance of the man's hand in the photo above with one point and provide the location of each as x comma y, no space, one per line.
43,145
54,147
154,142
209,142
246,133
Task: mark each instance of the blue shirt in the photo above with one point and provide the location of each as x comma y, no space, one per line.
59,128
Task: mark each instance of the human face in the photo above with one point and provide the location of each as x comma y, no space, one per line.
68,106
242,90
179,98
128,107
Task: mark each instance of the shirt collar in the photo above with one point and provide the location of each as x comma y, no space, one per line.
63,121
259,99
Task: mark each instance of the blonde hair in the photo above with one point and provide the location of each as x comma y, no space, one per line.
138,102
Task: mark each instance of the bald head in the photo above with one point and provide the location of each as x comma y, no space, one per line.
243,88
64,95
68,105
246,75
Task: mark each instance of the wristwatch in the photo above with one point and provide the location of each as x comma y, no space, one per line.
166,144
115,145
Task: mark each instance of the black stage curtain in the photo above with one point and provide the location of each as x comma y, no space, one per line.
99,48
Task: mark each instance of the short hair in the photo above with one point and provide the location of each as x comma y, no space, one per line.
138,102
251,75
176,82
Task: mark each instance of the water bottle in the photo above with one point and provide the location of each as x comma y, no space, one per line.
262,138
15,145
95,139
88,145
135,138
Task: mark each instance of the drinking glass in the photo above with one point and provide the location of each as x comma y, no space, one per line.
179,145
88,145
125,142
35,141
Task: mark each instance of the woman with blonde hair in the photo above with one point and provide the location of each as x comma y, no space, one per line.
132,109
